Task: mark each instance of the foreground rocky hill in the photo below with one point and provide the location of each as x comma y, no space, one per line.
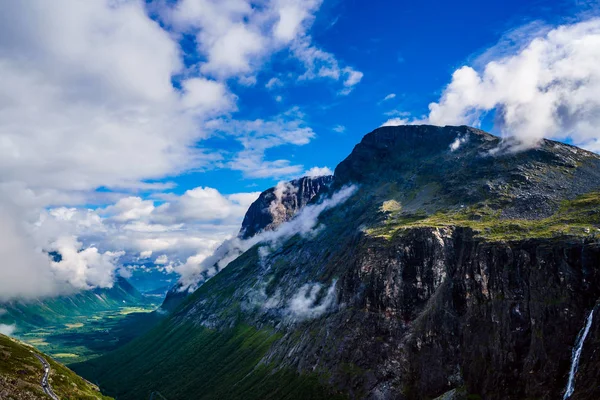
21,373
456,268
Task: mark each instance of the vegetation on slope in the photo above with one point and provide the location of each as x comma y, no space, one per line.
62,310
21,373
187,361
578,217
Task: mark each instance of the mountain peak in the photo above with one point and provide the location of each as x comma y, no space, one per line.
281,203
428,168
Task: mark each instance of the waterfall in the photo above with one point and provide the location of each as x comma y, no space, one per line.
576,354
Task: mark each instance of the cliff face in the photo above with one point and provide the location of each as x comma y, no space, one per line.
281,203
465,269
437,309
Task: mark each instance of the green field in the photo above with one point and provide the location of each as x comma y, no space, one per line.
80,338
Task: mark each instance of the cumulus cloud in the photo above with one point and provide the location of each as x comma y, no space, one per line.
199,268
83,268
318,171
102,68
88,247
25,270
96,95
235,37
547,85
145,254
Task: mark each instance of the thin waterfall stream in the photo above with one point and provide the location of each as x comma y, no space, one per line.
576,354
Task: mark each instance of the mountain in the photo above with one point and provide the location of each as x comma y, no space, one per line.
273,207
21,373
281,203
58,310
459,268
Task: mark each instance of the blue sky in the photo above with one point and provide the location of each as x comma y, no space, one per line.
137,132
409,49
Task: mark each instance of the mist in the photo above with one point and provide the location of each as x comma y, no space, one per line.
195,271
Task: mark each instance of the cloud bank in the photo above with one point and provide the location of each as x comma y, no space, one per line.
549,88
544,84
100,101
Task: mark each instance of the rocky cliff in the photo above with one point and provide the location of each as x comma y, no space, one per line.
458,268
281,203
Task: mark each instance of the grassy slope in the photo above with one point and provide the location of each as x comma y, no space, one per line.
187,362
578,217
21,373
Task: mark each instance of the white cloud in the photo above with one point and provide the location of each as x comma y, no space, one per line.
205,204
145,254
318,171
339,128
199,267
321,64
95,94
547,86
94,243
353,77
130,208
303,304
389,97
83,268
105,69
274,83
397,122
7,330
459,141
259,135
26,270
236,36
278,99
208,96
162,259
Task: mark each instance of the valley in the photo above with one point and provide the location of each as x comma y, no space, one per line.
84,325
299,200
86,337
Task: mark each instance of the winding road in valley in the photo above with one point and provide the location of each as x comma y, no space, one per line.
45,385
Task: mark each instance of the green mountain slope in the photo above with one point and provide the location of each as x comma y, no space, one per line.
61,310
21,375
457,266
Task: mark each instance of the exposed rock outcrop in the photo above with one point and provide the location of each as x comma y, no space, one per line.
281,203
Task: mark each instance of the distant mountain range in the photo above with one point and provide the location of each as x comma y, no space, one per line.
458,268
58,310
